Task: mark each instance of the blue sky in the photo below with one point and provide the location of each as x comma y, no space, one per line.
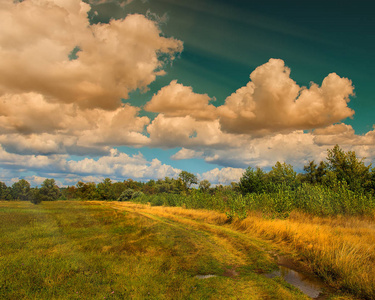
161,86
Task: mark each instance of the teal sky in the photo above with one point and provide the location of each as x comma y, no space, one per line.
223,43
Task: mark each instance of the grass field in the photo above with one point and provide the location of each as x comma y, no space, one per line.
111,250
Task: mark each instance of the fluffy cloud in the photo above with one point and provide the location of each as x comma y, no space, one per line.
224,176
273,102
269,104
38,36
187,154
121,165
296,148
177,100
344,135
116,165
31,124
188,132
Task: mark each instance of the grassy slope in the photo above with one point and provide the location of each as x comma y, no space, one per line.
101,250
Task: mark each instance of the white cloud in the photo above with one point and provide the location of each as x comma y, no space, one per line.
37,37
30,124
116,165
272,102
223,176
188,132
177,100
343,134
187,154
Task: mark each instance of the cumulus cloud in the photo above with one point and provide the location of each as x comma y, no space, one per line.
122,165
37,38
188,132
344,135
273,102
116,165
296,148
177,100
223,176
187,154
31,124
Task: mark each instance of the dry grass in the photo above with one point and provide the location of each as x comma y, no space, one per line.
341,250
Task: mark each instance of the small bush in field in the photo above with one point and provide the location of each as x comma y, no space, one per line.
126,195
137,194
35,196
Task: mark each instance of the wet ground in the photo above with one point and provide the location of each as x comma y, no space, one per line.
295,275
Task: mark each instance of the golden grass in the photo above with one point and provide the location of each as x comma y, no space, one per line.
88,250
340,249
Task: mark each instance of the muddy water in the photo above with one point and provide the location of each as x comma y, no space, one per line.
292,273
308,287
306,283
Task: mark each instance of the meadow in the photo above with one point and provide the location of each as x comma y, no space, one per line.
82,250
124,250
332,230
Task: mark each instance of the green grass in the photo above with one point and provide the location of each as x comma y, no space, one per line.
83,250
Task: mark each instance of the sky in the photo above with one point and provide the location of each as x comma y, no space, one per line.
144,89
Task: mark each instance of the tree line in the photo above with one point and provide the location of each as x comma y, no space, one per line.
340,167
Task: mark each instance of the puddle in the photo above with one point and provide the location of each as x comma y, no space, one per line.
307,284
205,276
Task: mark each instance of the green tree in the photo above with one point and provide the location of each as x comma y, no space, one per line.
188,179
283,174
253,181
370,184
347,167
131,184
314,173
204,185
150,187
49,190
117,188
85,190
105,190
5,192
21,190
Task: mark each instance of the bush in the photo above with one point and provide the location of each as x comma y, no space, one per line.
35,196
137,194
126,195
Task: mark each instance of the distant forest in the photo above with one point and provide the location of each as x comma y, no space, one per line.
340,171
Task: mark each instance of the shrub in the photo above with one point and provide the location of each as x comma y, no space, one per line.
126,195
35,196
137,194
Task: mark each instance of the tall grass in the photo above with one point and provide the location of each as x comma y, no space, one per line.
339,249
317,200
